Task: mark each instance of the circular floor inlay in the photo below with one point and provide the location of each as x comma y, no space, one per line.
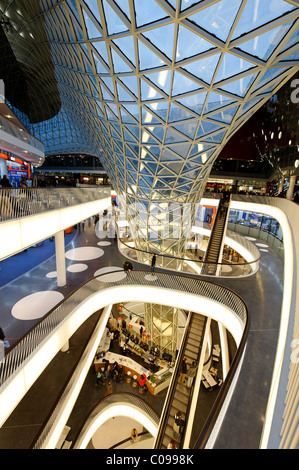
77,268
265,251
113,276
52,274
36,305
84,253
261,245
251,238
104,243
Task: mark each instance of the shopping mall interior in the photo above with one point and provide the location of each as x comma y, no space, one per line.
149,202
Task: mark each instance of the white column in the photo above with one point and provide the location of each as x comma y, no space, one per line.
291,187
3,167
60,259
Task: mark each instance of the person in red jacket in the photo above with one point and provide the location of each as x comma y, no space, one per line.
142,380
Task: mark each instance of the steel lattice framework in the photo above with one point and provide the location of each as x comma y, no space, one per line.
155,88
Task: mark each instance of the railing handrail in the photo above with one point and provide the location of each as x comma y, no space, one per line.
16,203
172,387
214,413
188,259
22,349
118,397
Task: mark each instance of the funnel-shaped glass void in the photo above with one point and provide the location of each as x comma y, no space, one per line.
156,88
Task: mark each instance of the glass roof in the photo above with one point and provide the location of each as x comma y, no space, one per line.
155,88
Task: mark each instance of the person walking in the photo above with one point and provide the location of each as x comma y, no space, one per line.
183,371
177,425
100,379
191,374
109,388
171,444
134,435
153,264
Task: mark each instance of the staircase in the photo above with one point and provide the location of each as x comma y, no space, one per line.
180,395
213,252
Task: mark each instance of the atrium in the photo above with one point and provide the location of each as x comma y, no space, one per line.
184,115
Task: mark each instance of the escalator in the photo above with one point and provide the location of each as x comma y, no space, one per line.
214,249
179,396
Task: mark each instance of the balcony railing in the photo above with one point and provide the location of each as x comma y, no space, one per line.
21,202
20,353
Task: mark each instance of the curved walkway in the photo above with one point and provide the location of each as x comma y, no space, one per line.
262,293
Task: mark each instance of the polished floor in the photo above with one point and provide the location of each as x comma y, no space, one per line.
243,422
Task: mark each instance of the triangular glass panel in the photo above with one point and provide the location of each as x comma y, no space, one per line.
217,139
269,75
131,83
92,30
294,57
247,106
232,65
187,128
240,87
168,156
148,12
162,38
160,109
152,167
172,137
178,114
124,6
182,84
147,58
146,137
218,18
126,45
123,95
181,149
135,131
148,92
292,41
256,14
133,110
119,64
157,131
161,79
206,128
101,48
176,167
264,45
190,44
204,68
131,151
125,117
216,101
148,117
194,102
202,158
115,24
93,6
106,95
129,166
128,137
109,83
225,116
